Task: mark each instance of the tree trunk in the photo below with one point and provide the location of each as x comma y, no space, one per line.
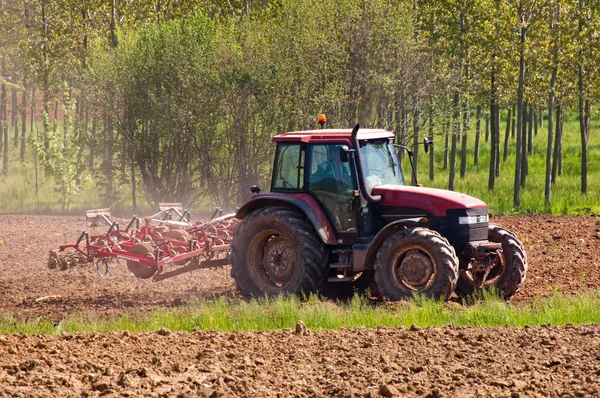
493,119
487,127
477,133
530,130
507,134
524,165
416,132
15,121
534,121
513,122
492,175
133,185
33,110
431,147
455,135
584,118
5,130
497,137
66,120
464,135
445,131
560,147
521,91
557,143
92,144
23,124
553,32
108,161
548,182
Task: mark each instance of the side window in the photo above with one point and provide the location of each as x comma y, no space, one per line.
289,169
319,156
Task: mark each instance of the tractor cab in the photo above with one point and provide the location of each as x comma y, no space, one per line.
321,164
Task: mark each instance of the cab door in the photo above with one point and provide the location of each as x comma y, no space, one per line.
332,183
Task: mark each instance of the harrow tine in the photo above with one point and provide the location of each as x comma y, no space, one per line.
107,268
97,268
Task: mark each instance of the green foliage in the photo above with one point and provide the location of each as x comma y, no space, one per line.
59,158
186,102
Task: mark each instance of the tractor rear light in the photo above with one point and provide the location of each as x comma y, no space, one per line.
473,219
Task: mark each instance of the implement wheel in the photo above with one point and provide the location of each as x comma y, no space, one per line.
183,236
274,251
137,269
506,276
179,234
416,261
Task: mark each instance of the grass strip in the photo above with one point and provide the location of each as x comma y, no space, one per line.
228,315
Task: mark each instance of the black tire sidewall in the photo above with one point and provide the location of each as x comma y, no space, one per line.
430,242
283,221
513,274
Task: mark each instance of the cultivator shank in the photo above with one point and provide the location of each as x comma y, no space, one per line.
160,246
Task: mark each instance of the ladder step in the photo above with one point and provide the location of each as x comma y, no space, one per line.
342,279
340,251
340,265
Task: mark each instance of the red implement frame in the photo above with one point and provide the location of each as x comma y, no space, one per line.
207,247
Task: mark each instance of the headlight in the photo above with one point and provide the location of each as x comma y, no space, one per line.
473,219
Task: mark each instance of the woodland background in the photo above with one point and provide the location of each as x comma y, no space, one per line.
128,103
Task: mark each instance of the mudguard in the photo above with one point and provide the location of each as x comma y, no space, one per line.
304,202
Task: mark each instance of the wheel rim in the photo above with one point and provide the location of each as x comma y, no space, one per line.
414,269
272,259
476,275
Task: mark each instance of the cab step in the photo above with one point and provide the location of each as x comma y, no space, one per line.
340,265
335,279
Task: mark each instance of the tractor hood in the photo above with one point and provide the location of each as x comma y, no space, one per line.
434,201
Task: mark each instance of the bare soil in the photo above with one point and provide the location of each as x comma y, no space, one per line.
543,361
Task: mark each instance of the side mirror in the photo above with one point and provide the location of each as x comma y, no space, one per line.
255,189
344,151
426,143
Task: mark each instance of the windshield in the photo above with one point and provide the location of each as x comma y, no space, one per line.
380,163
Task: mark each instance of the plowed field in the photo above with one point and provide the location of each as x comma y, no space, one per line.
547,361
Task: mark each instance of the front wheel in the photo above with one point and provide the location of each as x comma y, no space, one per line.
508,273
275,250
416,261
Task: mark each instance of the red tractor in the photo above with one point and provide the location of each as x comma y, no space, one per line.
339,211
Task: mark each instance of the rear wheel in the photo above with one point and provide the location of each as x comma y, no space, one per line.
416,261
506,276
137,269
276,250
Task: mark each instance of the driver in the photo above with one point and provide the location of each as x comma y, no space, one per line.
333,169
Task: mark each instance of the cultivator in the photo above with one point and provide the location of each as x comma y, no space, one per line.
160,246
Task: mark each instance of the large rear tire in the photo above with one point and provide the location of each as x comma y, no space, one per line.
275,250
416,261
507,276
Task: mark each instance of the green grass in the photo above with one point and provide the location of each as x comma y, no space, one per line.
229,315
566,193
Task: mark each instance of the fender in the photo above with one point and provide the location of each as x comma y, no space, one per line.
304,202
364,255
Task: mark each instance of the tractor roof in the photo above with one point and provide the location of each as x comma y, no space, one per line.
331,135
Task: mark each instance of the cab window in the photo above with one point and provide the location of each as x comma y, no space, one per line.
288,173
